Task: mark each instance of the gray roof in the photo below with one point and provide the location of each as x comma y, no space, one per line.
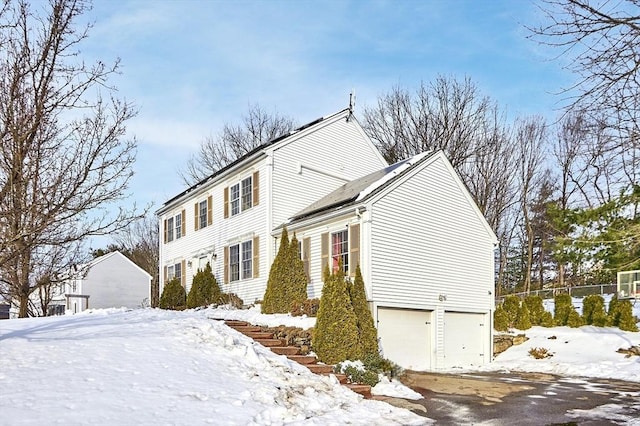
360,189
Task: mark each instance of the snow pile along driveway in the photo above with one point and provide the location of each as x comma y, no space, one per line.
161,367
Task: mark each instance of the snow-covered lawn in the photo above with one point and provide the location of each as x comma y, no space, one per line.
154,367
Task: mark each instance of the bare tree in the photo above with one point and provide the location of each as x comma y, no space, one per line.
447,114
64,161
140,243
601,39
530,137
235,140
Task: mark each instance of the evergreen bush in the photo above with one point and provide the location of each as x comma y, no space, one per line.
613,317
574,320
593,310
274,300
562,309
511,305
296,279
626,320
500,319
523,321
367,333
335,336
173,295
204,289
536,309
547,319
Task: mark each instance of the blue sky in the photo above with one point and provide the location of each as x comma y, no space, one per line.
191,66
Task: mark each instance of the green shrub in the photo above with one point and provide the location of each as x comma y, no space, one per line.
536,309
511,305
574,320
562,309
547,319
358,375
335,336
593,310
173,295
500,319
287,283
382,365
274,300
613,317
296,279
369,370
367,333
523,321
204,289
625,318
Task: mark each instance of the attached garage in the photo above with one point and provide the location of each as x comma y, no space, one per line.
464,339
406,337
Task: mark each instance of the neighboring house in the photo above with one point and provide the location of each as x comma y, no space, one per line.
425,250
109,281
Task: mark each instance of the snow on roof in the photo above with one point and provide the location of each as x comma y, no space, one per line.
359,189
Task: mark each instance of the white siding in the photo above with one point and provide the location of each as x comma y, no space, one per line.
429,247
115,282
211,240
339,148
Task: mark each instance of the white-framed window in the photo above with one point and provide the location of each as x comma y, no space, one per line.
241,261
340,250
247,259
247,193
203,211
235,199
234,262
174,271
178,222
170,229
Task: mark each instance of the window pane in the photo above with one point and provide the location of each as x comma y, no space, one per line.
203,214
178,226
247,258
178,268
246,193
340,250
235,199
170,229
170,273
234,263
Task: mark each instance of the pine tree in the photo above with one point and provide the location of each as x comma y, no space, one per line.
368,335
275,294
536,309
523,321
562,309
500,319
296,277
593,310
335,337
173,295
511,305
204,289
574,320
613,314
624,315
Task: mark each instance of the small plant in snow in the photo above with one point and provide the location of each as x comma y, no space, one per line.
540,353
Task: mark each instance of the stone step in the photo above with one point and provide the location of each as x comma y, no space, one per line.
364,390
244,329
236,323
258,335
269,343
320,368
303,359
285,350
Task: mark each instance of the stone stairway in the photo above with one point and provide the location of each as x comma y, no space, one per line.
293,353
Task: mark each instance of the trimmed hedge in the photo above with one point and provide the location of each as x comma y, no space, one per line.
173,295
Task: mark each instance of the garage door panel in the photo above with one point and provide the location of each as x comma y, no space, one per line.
463,339
405,337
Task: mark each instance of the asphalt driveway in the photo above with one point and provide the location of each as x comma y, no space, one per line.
523,399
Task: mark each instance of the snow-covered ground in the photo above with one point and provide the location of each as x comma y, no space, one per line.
150,366
154,367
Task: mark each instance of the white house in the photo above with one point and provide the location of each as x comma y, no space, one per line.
425,251
107,281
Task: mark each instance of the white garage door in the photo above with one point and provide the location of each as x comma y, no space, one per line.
463,339
405,337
